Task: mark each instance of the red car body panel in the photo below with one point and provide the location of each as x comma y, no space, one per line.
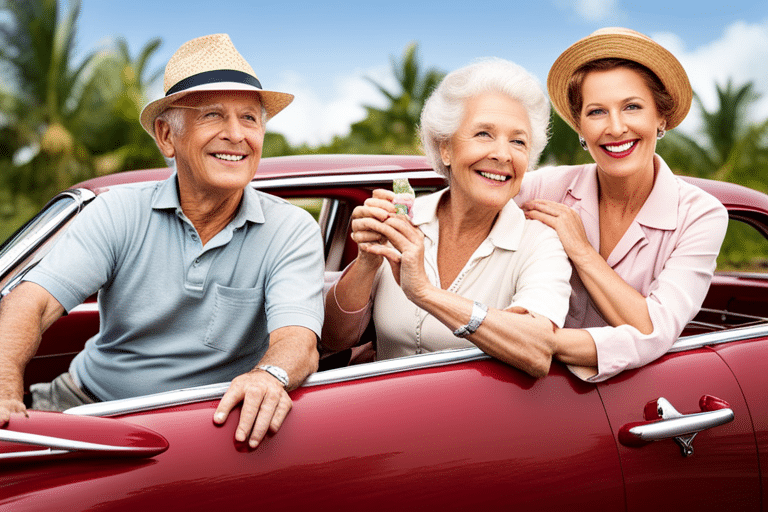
469,437
477,434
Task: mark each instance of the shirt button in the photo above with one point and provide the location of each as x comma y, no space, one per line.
197,262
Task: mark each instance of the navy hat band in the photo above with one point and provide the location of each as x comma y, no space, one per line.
212,77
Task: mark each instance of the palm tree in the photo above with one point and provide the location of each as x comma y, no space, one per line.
70,120
37,50
729,148
394,129
117,141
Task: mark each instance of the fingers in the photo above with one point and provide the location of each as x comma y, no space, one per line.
257,414
265,405
8,407
544,207
387,251
228,402
550,213
545,218
384,194
379,206
284,406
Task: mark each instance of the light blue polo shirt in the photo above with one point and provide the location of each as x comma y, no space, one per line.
173,313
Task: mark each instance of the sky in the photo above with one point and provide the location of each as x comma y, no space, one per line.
324,52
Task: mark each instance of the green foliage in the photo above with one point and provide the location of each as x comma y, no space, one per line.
728,148
563,147
744,248
66,121
393,129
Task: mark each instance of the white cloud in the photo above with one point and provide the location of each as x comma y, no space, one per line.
740,54
314,118
597,10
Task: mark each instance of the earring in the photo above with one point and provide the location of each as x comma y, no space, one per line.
583,143
660,133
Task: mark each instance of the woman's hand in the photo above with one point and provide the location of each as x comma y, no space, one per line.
566,222
408,264
394,238
377,208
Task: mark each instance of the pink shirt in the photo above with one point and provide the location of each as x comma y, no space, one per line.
668,254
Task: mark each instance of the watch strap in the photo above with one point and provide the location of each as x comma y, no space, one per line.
479,311
276,372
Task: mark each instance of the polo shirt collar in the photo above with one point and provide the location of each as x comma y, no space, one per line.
167,198
501,236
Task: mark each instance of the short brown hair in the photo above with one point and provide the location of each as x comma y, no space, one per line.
664,102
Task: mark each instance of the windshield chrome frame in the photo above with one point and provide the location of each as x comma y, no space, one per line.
30,244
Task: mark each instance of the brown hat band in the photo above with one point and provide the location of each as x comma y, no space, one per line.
213,77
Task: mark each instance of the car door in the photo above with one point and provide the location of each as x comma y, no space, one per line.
430,432
722,471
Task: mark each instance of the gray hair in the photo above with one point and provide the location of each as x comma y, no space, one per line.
175,119
444,110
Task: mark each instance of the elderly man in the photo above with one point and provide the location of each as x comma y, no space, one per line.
201,278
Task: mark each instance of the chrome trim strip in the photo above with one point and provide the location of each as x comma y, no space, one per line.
340,180
86,307
216,391
154,401
60,443
389,366
37,454
719,337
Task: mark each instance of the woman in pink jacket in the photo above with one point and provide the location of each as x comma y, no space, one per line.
643,243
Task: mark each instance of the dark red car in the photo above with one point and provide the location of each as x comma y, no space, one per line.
443,431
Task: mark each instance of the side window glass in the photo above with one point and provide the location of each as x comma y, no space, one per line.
745,249
314,205
333,217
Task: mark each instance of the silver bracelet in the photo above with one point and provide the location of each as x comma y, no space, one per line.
479,311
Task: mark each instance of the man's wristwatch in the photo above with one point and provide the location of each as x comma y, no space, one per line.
276,372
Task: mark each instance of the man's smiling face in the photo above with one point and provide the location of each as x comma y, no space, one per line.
218,148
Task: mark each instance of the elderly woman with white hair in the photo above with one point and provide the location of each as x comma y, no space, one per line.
468,269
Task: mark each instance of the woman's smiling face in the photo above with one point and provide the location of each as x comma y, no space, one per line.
620,121
488,154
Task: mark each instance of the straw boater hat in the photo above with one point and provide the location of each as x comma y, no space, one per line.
620,43
209,63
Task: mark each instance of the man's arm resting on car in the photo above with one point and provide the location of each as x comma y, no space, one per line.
25,314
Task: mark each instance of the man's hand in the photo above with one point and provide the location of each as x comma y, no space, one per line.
265,405
8,407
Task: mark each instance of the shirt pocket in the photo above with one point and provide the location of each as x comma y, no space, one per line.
236,313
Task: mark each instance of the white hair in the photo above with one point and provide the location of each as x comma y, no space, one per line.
444,110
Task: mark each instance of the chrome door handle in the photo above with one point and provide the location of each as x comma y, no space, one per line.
663,421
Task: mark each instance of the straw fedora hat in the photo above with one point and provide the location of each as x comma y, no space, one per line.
620,43
209,63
